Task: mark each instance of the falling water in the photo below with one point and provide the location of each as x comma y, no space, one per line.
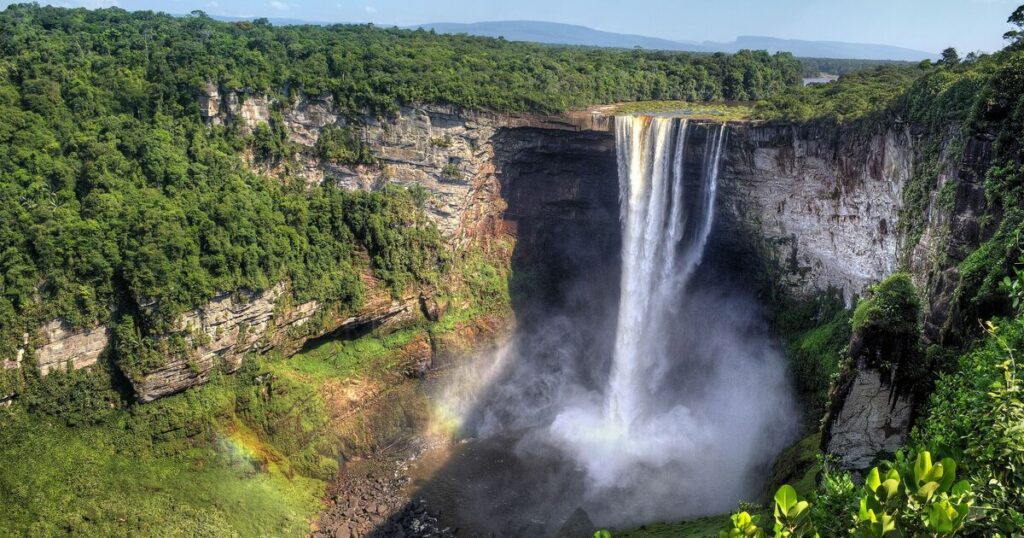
695,401
656,262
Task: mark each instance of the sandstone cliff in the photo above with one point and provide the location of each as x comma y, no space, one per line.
449,152
221,332
823,203
826,205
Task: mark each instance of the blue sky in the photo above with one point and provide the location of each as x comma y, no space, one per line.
921,24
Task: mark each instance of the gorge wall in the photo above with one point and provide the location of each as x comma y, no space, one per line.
820,206
451,153
824,206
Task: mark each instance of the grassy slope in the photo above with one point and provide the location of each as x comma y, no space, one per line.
232,475
244,455
705,527
95,481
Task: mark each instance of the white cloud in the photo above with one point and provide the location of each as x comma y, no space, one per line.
370,9
279,5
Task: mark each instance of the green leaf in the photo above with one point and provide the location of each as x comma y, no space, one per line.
922,466
926,491
962,487
938,517
872,481
948,474
785,498
890,488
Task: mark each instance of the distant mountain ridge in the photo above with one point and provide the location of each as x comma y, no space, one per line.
571,34
560,34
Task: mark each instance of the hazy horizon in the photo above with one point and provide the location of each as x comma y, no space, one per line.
968,25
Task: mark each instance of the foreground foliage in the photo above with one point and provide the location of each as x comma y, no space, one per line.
913,498
989,439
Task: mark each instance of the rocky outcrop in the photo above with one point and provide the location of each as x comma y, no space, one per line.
440,150
218,334
63,347
233,324
872,419
244,109
824,202
446,150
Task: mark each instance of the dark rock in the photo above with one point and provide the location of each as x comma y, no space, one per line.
578,524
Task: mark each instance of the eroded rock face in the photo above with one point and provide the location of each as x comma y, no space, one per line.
231,325
220,332
560,192
873,419
448,151
825,203
63,346
233,107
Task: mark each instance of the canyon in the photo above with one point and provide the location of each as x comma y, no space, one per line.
821,209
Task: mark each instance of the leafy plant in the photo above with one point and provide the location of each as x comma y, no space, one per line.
343,145
792,519
792,515
1013,286
912,498
451,171
744,525
925,499
835,504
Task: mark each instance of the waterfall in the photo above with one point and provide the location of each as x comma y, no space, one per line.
664,231
684,399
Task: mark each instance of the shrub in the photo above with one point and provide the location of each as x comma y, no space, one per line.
913,498
834,506
893,305
343,145
976,414
451,171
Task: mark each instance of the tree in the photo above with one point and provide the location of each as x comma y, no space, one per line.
1016,37
949,57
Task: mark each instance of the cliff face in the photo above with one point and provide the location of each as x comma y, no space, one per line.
233,324
451,153
828,208
825,206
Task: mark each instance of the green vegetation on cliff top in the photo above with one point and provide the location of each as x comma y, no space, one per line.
689,110
120,202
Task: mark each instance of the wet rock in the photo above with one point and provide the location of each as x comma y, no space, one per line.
578,524
874,419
